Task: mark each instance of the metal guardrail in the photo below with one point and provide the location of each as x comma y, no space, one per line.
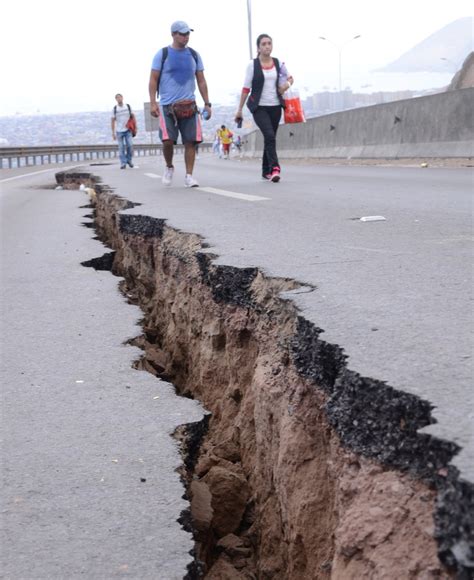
11,157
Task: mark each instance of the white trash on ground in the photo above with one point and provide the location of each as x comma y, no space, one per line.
373,218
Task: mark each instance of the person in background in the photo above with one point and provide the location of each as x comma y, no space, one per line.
216,144
225,136
174,72
238,145
265,82
120,115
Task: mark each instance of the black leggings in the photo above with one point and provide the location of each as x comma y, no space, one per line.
267,120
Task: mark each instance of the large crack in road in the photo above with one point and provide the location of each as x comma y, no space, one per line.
304,469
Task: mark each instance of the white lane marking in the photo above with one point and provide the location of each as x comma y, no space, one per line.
225,193
38,172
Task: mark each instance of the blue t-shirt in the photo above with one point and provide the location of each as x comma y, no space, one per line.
178,77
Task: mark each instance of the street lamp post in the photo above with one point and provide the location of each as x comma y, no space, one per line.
249,19
339,48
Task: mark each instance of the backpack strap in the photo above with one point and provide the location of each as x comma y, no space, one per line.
194,53
164,56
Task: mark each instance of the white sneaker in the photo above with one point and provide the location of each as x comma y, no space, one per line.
167,176
189,181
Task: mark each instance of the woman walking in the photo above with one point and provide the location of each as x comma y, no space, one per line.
265,82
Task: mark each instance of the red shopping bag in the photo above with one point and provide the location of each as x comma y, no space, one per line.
293,108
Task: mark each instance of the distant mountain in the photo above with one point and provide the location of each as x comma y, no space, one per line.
443,51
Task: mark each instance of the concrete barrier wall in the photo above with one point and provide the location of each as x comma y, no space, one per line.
440,125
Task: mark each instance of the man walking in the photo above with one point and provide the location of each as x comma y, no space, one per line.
121,114
174,72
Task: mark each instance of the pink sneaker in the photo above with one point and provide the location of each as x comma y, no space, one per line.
275,176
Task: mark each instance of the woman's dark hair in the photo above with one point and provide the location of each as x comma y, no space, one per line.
260,37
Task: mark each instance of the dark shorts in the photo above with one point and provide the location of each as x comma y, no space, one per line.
190,129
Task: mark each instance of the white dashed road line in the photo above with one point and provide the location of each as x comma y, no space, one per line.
225,193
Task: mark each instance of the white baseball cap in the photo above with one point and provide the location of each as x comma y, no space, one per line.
180,26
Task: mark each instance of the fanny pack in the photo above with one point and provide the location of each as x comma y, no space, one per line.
184,109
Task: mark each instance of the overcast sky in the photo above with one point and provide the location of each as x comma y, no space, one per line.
60,56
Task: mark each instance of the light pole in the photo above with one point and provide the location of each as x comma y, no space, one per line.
339,48
249,19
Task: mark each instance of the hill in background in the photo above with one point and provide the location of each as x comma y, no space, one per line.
443,51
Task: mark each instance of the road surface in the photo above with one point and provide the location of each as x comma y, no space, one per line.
82,431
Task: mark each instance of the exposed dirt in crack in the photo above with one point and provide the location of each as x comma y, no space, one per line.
294,478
